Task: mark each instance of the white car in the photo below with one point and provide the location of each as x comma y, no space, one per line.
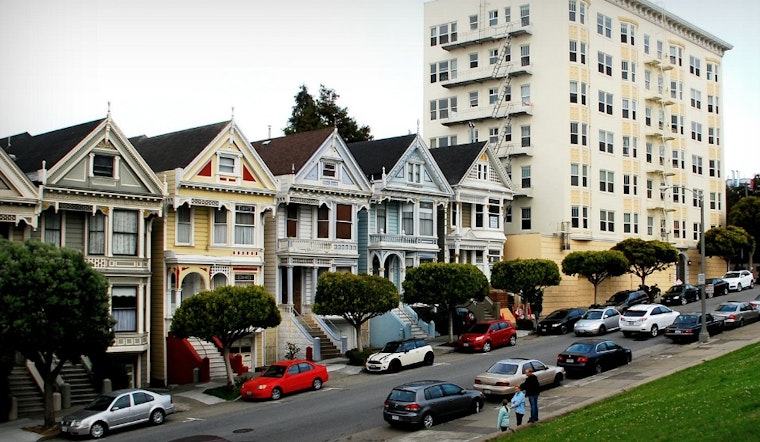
739,280
646,319
396,355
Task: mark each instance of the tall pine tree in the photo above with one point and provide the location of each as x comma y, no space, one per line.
310,114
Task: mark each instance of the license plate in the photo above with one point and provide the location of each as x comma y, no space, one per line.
395,418
631,322
486,391
65,429
570,361
465,345
678,332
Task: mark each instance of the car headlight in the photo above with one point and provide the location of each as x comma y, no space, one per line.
76,423
262,387
480,338
555,325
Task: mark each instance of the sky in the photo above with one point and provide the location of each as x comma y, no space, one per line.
168,65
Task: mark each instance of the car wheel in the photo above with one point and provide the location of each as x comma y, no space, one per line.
752,284
738,287
563,330
395,366
157,417
276,393
598,368
741,322
429,358
602,329
476,406
98,430
707,295
487,347
513,341
654,331
428,421
725,291
683,300
558,379
317,384
627,334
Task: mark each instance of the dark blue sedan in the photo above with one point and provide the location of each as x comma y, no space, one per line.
593,356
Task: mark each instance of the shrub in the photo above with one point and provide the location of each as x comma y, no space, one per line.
525,324
356,357
292,352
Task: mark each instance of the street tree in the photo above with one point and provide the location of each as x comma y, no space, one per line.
312,114
746,214
445,285
226,313
356,298
595,266
55,309
728,243
647,257
527,278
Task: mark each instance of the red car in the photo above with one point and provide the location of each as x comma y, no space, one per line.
285,377
483,336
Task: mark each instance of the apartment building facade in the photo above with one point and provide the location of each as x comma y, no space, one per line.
606,115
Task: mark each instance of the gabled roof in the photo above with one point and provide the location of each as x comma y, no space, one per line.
177,149
288,154
30,151
455,161
376,155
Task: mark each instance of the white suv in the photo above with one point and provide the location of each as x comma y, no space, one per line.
646,319
398,354
739,279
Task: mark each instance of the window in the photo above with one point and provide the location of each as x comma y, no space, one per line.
628,71
474,99
220,226
291,220
649,153
245,217
629,108
604,25
493,95
323,222
696,99
226,165
479,208
443,34
714,168
525,218
414,173
125,232
696,131
578,133
124,308
676,55
407,218
579,217
606,181
473,22
184,225
650,188
507,14
647,79
628,33
606,141
646,44
525,94
696,196
493,56
606,221
604,65
493,18
493,214
630,184
715,201
381,216
524,15
508,214
605,102
525,174
446,70
102,165
575,174
660,49
578,51
440,108
713,135
712,104
573,10
630,146
482,171
696,164
525,136
650,225
493,135
525,55
508,133
508,92
578,92
343,221
694,65
426,218
329,169
96,234
630,223
712,71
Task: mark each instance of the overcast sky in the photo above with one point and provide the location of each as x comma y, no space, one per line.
167,65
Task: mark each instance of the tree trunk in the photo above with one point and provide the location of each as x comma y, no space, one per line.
595,291
358,330
228,366
49,383
451,324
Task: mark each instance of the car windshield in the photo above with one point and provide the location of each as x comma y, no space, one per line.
478,328
732,275
558,314
100,403
391,347
675,289
503,368
726,308
686,319
635,313
274,371
592,315
401,395
579,348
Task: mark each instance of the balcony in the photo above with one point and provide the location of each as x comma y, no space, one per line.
519,71
514,150
526,192
480,36
470,76
129,342
469,114
659,64
317,247
392,241
131,264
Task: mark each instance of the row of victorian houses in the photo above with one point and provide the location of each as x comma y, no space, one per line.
168,216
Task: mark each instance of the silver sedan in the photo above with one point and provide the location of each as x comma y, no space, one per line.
598,321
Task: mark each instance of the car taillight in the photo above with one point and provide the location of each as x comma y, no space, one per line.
477,381
582,359
732,316
502,384
560,358
413,407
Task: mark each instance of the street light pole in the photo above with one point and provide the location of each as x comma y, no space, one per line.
704,336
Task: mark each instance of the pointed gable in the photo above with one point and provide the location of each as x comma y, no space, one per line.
376,156
177,149
455,161
288,154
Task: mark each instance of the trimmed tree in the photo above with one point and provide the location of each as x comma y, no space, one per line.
595,266
227,313
446,285
356,298
746,214
55,309
647,257
528,278
727,242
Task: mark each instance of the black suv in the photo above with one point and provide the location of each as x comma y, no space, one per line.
624,299
560,321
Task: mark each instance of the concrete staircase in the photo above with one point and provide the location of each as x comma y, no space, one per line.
417,331
27,393
208,350
82,389
327,348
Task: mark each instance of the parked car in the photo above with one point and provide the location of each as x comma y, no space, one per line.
396,355
425,403
720,287
736,314
593,356
118,409
285,377
646,319
598,321
624,299
483,336
680,294
560,321
501,377
739,280
687,326
755,303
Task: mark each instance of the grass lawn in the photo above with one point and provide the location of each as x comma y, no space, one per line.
718,400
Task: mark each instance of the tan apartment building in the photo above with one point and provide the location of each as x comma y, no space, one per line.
593,108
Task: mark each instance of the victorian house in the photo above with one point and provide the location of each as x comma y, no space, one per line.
97,196
323,193
473,225
19,202
220,194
